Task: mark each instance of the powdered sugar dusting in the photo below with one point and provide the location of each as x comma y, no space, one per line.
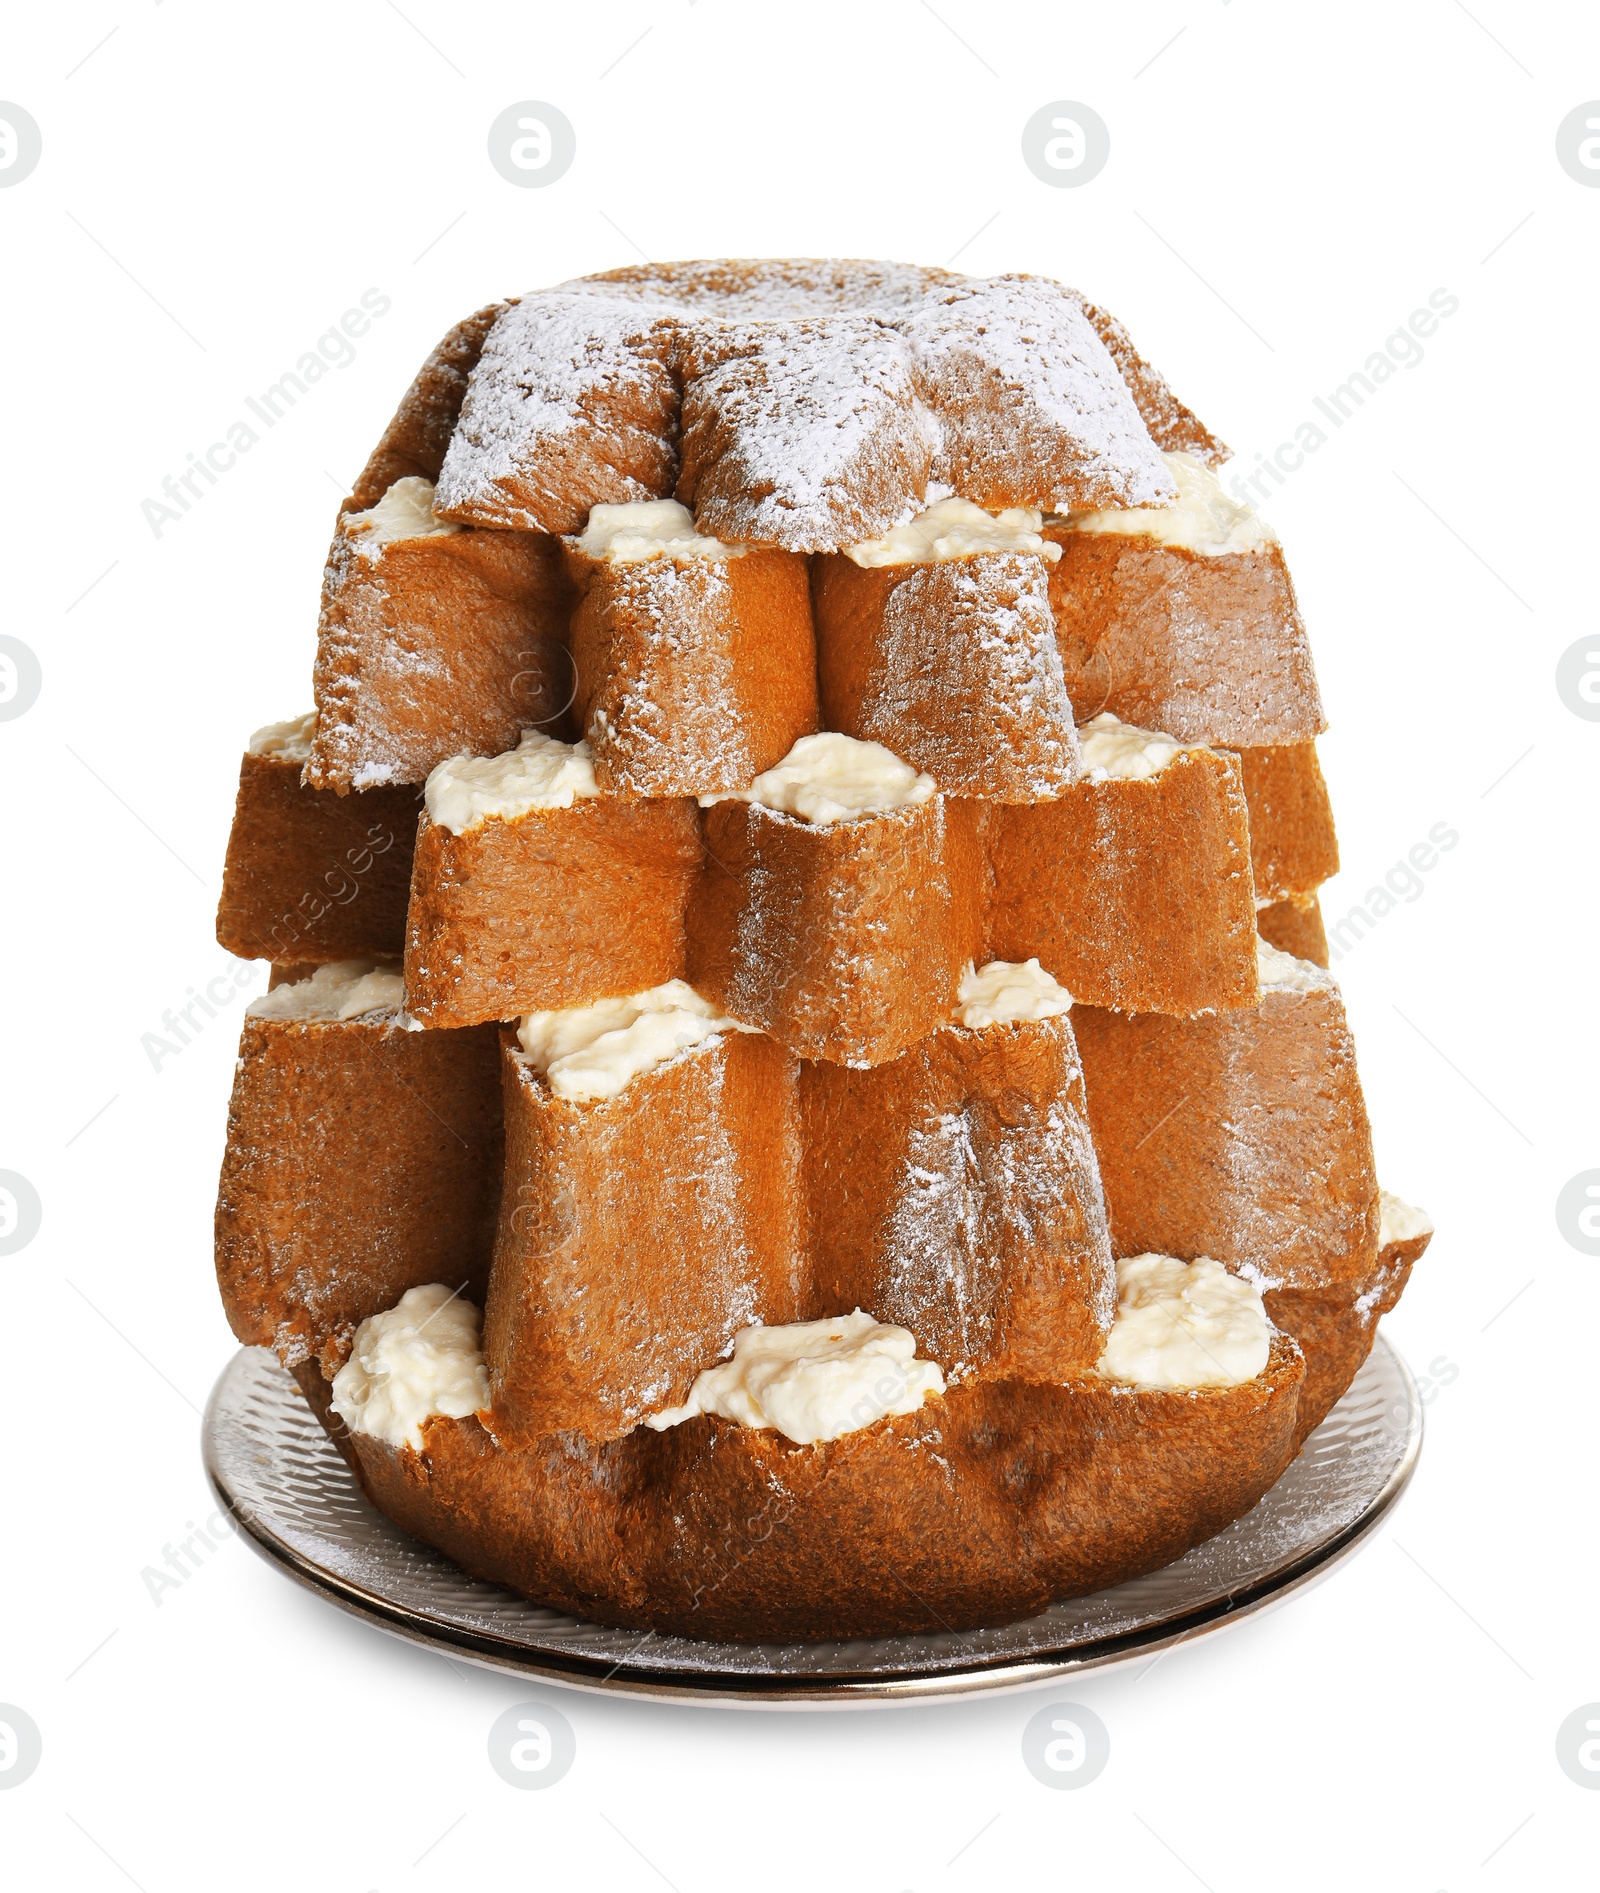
666,721
803,433
816,394
1030,398
572,403
769,287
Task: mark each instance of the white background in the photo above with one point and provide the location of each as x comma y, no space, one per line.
1286,184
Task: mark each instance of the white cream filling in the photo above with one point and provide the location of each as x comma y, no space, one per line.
1006,992
1205,519
343,989
648,529
1114,750
1185,1324
586,1052
466,791
290,739
812,1380
1399,1221
419,1359
956,529
1277,971
404,512
831,778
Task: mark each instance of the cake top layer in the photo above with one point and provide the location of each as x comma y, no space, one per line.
805,404
769,287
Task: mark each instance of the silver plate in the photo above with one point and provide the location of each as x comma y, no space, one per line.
298,1503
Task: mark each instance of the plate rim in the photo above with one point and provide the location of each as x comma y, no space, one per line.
813,1688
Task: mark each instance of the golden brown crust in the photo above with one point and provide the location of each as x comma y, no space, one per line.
311,876
1295,926
1242,1136
1115,1481
954,1191
979,1508
434,647
1135,894
800,432
1293,848
639,1233
693,676
953,666
844,942
362,1160
1210,650
557,907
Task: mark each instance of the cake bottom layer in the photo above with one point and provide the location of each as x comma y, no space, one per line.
980,1508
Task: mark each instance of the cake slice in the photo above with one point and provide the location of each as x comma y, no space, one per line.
1031,407
312,876
572,404
1241,1135
531,891
1183,618
840,903
362,1160
432,640
937,641
651,1208
1133,886
801,432
955,1191
695,661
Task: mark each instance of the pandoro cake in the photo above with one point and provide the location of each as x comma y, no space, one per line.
799,1094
